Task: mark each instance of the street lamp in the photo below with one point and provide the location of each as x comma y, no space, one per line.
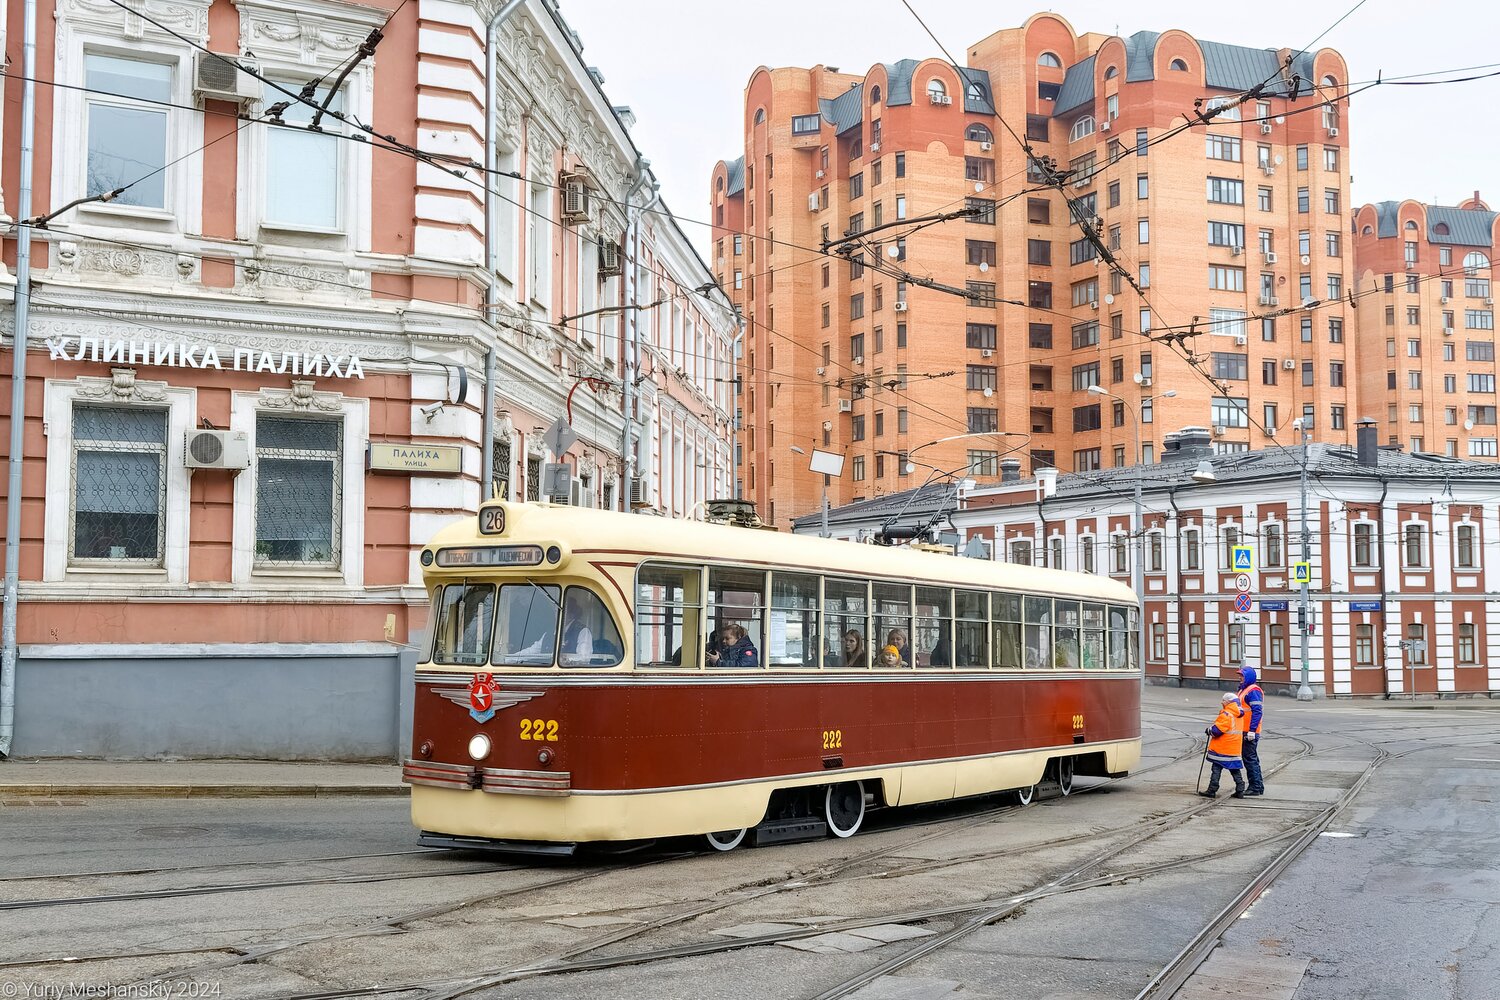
1139,525
1304,692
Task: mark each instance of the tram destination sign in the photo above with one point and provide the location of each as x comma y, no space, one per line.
186,354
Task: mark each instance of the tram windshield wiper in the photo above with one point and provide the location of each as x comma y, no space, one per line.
543,591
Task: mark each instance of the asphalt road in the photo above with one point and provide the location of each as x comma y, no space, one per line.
1088,896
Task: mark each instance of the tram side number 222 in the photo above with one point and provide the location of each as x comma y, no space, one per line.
833,739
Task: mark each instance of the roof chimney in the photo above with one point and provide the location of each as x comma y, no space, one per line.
1047,480
1010,470
1194,443
1367,441
1169,446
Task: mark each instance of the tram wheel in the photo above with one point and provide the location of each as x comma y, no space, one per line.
726,840
1065,775
1025,796
844,808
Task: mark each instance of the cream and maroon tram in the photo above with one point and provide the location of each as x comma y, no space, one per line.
584,682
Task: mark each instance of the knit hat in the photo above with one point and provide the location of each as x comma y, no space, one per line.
892,650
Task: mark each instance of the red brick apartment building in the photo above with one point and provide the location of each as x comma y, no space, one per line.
1224,223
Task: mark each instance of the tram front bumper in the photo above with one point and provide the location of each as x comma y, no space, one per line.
490,779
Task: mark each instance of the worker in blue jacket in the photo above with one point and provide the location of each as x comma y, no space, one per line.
1252,701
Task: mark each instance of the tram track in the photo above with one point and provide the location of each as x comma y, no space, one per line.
259,862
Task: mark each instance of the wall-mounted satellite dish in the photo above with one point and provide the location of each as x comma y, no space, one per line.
1279,158
1109,300
1281,119
983,267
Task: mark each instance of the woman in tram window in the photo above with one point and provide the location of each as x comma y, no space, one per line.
897,640
854,652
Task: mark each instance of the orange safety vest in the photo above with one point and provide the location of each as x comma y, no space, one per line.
1245,707
1226,746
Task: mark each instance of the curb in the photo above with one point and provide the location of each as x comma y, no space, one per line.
199,791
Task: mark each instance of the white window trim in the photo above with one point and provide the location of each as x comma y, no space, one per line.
59,397
108,30
355,412
1280,527
1155,536
1087,543
1426,562
1475,547
1375,553
1192,538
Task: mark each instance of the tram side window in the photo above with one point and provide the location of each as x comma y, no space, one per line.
892,624
465,614
846,624
737,600
1006,609
794,621
589,637
1038,633
1065,641
1093,637
934,647
526,633
668,616
972,611
1122,651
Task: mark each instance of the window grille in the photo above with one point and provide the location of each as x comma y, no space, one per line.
119,484
298,491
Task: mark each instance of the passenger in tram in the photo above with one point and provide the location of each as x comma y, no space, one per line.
578,638
890,658
735,650
855,654
897,639
939,657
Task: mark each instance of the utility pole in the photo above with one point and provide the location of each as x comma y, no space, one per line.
8,640
1305,693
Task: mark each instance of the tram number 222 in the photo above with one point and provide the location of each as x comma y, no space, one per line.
833,739
541,730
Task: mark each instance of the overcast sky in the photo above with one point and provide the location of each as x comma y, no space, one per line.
682,66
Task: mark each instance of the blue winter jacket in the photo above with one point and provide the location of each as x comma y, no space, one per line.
1254,700
741,654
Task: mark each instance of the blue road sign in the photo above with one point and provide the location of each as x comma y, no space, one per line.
1273,605
1242,559
1364,605
1242,603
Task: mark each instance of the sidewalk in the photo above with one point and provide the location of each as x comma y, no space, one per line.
53,778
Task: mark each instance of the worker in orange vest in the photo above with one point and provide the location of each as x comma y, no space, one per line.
1252,700
1225,738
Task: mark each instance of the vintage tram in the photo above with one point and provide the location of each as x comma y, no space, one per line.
593,676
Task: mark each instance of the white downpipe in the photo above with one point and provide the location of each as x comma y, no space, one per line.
631,364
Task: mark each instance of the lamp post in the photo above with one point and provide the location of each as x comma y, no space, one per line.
1304,692
1138,527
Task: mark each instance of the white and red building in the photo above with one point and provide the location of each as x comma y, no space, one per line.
1402,547
328,305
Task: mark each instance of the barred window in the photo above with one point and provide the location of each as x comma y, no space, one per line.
500,468
298,491
119,484
534,476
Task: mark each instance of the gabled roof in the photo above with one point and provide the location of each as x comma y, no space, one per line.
1140,56
1077,87
1467,227
984,105
1225,67
734,183
844,111
898,82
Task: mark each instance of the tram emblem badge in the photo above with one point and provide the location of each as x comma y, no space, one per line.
482,697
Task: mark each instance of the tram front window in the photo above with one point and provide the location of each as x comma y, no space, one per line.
526,634
589,638
462,633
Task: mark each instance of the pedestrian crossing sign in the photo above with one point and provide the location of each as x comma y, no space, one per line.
1301,573
1242,559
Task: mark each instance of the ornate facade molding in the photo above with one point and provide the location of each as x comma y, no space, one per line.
121,387
187,17
300,398
314,33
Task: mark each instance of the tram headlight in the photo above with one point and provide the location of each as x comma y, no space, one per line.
426,557
479,747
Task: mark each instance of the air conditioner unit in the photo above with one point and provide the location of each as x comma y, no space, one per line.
819,174
900,307
1219,430
219,79
1094,304
1290,364
1145,382
217,450
986,353
1236,251
1443,299
1333,132
1411,265
581,495
575,198
1082,182
938,99
814,203
611,261
1447,331
874,147
1265,128
1489,301
1470,272
1240,340
1270,256
986,146
1104,126
821,370
637,491
1270,430
946,100
1269,300
1306,260
1269,169
857,362
846,406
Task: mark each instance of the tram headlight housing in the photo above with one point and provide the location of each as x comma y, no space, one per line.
479,747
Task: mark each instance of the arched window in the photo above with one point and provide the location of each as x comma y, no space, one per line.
719,184
1366,231
760,115
1111,73
976,93
936,91
1179,65
1082,127
1476,259
1048,59
1441,229
875,94
1411,225
1329,81
978,133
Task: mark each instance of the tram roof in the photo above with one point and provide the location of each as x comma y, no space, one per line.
586,531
